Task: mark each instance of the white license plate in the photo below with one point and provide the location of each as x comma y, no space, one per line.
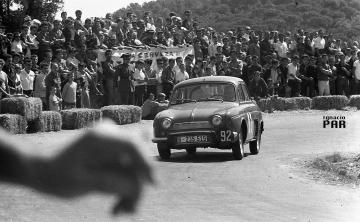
192,139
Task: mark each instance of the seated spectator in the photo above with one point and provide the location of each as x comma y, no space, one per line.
149,108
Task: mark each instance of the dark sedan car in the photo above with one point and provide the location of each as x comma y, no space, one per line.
213,111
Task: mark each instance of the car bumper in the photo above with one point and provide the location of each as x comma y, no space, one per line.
215,140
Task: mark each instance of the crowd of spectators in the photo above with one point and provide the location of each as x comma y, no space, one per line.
58,61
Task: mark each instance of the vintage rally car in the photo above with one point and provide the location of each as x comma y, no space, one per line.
213,111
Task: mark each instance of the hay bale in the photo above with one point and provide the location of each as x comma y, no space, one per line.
30,108
294,103
329,102
264,104
122,114
355,101
79,118
49,121
13,123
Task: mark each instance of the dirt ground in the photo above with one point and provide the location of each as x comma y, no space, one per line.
272,186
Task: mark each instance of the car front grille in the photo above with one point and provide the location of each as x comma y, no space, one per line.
192,125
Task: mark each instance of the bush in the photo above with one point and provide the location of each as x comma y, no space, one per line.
122,114
13,123
49,121
30,108
79,118
355,101
329,102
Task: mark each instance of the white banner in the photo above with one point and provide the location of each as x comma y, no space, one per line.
152,53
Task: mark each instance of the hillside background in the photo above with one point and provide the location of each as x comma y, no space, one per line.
340,17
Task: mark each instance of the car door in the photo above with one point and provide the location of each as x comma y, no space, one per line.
249,107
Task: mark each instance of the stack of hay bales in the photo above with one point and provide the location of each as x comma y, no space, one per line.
49,121
294,103
13,123
355,101
24,110
122,115
329,102
79,118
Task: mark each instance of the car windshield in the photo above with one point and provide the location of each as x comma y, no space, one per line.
203,92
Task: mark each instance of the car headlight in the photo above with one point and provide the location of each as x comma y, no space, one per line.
216,120
166,123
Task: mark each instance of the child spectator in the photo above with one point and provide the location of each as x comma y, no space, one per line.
54,100
69,93
39,83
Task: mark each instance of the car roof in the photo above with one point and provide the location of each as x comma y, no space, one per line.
229,79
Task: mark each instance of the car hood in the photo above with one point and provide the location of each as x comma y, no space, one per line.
199,111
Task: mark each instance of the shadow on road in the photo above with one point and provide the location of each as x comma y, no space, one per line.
201,157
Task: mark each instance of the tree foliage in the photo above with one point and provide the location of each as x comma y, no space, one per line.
43,10
336,16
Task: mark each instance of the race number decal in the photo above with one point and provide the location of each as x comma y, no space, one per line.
250,122
225,136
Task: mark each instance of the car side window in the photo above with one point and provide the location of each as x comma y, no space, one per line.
245,91
241,94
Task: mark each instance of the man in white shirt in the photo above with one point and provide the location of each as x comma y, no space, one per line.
140,85
293,76
27,77
281,47
319,43
356,75
181,75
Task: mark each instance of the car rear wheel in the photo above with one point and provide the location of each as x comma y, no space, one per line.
238,149
164,151
191,151
255,145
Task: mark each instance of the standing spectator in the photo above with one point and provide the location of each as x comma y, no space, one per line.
332,78
140,82
181,75
27,77
294,81
319,43
324,73
109,78
4,87
343,76
84,79
17,45
14,81
272,77
168,78
53,80
126,81
356,75
69,93
54,100
235,65
254,67
39,83
281,47
307,74
257,87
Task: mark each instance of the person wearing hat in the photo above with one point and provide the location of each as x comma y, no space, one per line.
125,77
39,83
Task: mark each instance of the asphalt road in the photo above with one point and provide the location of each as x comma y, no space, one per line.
212,186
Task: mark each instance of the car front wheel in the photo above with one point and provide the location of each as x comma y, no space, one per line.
238,149
164,151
